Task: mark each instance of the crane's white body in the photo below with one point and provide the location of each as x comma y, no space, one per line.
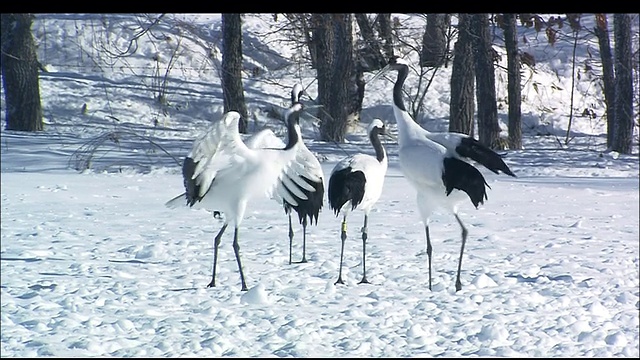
421,163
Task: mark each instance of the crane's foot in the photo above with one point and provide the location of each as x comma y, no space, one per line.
339,281
364,281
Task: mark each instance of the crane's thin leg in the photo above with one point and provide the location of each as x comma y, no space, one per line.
343,237
216,243
236,249
304,241
364,252
464,240
429,251
290,238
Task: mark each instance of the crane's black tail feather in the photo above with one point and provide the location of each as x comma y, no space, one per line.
345,185
458,174
473,149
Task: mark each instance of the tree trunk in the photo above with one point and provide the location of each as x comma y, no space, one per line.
514,96
20,78
341,95
370,55
232,90
356,91
384,29
623,127
602,33
434,40
334,49
488,128
462,104
323,46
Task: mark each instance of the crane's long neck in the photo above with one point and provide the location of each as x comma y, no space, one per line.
406,125
293,130
397,88
381,154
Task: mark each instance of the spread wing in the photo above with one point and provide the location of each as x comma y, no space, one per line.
219,148
301,177
265,139
221,153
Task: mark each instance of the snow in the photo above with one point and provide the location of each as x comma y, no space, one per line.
93,264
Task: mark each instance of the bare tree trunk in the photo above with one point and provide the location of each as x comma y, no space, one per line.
371,55
488,128
602,33
232,89
323,47
384,29
462,104
20,73
334,49
356,92
623,127
342,74
514,96
434,40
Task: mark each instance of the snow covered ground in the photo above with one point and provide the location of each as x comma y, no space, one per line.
93,263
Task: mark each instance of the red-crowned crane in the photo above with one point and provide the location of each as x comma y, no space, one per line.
221,173
307,209
356,183
436,164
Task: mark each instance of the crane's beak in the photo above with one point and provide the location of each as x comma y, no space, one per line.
379,74
314,106
305,93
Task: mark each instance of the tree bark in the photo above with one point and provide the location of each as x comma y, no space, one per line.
20,78
623,127
371,55
384,29
462,103
608,80
488,128
514,93
434,40
232,90
322,35
334,49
